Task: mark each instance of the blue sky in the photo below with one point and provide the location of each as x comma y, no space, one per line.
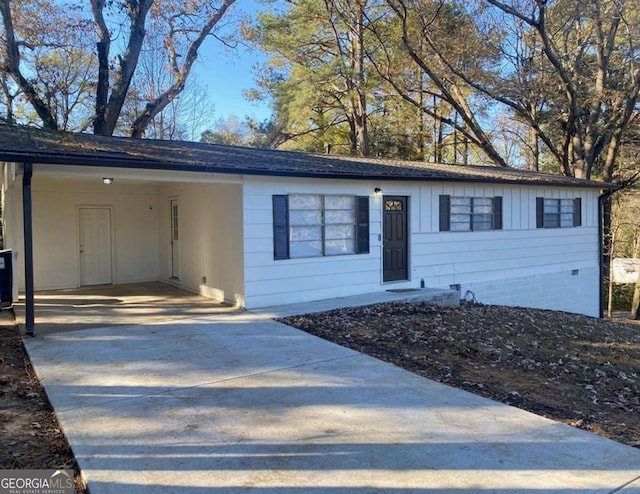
226,76
228,73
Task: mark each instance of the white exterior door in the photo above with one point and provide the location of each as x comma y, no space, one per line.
95,246
175,240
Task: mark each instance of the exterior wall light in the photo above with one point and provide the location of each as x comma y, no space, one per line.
377,191
107,180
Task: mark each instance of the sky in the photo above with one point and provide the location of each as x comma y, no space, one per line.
227,74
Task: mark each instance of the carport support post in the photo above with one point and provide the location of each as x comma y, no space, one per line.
28,249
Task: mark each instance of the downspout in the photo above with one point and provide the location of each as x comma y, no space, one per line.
601,199
604,196
28,249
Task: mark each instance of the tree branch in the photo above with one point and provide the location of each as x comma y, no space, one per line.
158,104
12,66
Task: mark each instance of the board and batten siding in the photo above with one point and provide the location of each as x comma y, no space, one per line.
521,265
517,265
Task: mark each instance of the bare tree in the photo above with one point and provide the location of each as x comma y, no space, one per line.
577,80
183,26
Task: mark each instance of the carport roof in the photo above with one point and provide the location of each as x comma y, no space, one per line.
21,144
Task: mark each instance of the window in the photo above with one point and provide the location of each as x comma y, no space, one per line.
465,214
558,213
312,225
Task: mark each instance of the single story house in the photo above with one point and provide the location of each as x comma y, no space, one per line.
259,227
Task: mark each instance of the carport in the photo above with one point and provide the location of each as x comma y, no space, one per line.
117,305
92,212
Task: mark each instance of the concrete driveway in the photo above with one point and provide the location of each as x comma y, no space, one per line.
233,403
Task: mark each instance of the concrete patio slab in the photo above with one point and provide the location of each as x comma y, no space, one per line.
233,403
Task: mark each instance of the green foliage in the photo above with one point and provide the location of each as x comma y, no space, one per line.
318,75
622,297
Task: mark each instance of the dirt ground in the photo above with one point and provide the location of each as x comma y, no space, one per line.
578,370
30,435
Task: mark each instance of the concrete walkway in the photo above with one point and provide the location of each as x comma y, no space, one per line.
238,403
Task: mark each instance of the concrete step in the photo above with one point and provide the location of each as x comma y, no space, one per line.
436,296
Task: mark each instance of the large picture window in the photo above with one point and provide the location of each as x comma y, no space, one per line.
466,214
313,225
558,213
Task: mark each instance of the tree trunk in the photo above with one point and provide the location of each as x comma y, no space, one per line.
359,117
360,106
636,300
12,66
180,74
455,139
534,145
353,135
9,119
466,152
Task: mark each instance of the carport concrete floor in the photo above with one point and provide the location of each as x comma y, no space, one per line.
95,306
235,402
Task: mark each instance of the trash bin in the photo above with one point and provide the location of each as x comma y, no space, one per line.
6,279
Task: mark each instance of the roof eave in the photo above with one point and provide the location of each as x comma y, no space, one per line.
129,162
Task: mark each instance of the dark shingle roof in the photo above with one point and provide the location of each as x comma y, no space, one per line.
26,144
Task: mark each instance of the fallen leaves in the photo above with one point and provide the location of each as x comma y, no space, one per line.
579,370
30,436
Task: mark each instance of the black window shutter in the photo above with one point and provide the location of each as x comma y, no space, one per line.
497,213
362,225
577,212
445,208
280,227
539,212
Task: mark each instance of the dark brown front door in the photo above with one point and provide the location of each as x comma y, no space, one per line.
394,245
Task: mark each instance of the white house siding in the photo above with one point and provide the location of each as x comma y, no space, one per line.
269,282
518,265
210,244
55,203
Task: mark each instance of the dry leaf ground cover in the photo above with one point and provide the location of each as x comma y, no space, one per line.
578,370
30,436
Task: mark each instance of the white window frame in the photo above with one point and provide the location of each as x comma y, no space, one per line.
302,231
559,213
465,221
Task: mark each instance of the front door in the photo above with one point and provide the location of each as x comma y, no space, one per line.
175,240
95,246
395,242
